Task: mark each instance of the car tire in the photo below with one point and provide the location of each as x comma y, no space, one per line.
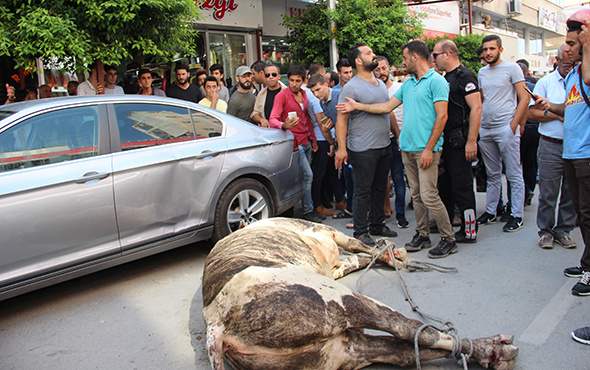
243,202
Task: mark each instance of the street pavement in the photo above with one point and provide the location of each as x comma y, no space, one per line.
147,314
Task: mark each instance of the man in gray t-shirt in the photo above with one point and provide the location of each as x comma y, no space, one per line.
367,148
241,103
505,104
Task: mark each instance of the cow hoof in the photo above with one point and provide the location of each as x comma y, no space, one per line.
400,256
495,352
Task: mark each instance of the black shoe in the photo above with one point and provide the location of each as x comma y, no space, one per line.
582,287
528,198
385,231
513,224
312,216
486,218
461,238
506,214
402,223
443,249
366,239
582,335
418,242
433,227
573,272
321,216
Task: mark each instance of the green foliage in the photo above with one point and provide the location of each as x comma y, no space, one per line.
79,31
309,35
467,46
384,25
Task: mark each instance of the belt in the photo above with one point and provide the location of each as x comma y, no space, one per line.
552,140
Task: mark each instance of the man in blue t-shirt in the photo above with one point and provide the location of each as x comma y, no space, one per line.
576,142
425,99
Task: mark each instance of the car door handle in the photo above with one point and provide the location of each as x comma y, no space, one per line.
90,176
206,154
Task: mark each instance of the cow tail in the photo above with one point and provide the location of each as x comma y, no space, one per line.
215,346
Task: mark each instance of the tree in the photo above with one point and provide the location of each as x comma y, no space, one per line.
74,32
467,46
384,25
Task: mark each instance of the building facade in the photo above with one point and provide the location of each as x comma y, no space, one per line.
530,29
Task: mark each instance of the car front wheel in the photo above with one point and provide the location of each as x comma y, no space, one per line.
243,202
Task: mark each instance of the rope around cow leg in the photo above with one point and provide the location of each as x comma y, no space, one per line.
386,247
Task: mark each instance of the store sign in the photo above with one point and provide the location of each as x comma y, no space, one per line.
548,19
220,7
442,17
239,13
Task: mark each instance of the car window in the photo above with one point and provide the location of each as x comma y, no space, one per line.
145,125
52,137
206,125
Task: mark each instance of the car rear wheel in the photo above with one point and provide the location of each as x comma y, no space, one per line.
243,202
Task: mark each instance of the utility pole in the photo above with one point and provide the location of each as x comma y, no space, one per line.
333,47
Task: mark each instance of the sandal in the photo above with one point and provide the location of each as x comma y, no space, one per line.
350,225
343,214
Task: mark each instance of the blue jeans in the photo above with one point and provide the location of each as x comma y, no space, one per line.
305,160
371,168
397,175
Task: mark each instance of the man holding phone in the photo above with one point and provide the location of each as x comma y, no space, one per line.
505,105
289,112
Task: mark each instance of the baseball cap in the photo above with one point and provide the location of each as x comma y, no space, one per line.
242,70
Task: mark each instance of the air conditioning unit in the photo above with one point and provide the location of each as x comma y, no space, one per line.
514,6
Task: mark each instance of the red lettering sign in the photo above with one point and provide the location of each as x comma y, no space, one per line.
220,6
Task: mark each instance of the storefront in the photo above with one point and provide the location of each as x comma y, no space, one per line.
240,32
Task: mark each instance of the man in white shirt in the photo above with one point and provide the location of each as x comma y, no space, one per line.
552,183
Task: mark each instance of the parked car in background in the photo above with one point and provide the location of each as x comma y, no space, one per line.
87,183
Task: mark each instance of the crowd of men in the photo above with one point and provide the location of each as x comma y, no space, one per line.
359,131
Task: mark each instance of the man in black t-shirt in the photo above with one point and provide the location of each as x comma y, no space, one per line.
183,89
460,139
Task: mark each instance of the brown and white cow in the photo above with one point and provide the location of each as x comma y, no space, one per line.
271,302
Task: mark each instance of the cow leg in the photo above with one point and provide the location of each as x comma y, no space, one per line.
355,350
350,264
353,245
363,312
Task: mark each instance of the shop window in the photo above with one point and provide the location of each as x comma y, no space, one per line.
276,51
229,50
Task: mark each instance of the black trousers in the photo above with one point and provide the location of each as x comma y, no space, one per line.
529,142
371,168
577,174
455,181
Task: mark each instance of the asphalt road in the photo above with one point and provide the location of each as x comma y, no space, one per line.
147,314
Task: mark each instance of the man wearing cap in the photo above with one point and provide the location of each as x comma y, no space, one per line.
241,103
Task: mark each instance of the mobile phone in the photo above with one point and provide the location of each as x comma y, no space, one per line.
530,93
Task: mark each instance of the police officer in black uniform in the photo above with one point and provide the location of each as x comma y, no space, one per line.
455,180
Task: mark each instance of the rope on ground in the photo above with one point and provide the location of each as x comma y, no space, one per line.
384,246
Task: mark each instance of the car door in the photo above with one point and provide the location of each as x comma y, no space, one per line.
166,172
56,194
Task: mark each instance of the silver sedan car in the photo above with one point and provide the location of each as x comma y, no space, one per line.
87,183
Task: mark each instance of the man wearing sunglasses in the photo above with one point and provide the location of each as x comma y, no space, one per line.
266,97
